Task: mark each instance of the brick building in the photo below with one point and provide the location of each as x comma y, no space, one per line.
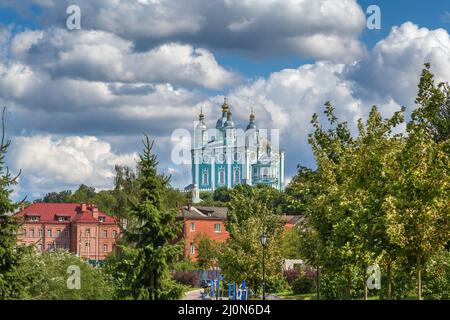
209,221
79,228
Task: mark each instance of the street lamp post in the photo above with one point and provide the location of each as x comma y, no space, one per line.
263,239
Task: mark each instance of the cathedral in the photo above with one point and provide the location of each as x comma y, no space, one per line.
226,156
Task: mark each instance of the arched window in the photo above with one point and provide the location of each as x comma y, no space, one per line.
205,177
237,175
221,177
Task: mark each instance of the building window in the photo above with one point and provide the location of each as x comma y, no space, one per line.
66,246
88,233
41,233
87,244
114,233
50,246
49,232
101,219
39,246
205,177
192,226
105,248
58,233
221,177
24,232
237,175
192,248
31,233
265,173
105,233
217,227
66,233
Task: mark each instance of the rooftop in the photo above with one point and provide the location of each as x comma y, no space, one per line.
49,212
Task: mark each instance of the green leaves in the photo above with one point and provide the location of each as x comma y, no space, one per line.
144,268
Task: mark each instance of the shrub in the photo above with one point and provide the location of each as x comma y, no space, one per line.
437,283
303,284
291,275
189,278
333,285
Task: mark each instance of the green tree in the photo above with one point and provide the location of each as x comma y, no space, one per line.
434,102
252,212
345,223
418,207
50,273
241,256
207,251
11,281
152,238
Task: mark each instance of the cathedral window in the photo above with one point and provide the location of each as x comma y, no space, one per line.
221,177
237,175
205,177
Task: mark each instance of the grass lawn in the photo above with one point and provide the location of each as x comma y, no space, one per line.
289,295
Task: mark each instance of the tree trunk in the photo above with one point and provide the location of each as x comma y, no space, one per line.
366,291
365,278
419,278
389,280
348,287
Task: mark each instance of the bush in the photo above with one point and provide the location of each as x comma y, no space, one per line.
333,285
189,278
303,284
291,275
437,282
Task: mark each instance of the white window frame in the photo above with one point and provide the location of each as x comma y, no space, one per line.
192,248
219,229
221,177
192,227
205,176
237,174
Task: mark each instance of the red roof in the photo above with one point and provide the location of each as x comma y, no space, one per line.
48,212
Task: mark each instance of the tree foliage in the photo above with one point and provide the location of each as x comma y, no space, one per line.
148,249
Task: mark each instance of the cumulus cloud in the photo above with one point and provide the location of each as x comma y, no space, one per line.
288,98
320,29
45,161
106,94
103,56
394,65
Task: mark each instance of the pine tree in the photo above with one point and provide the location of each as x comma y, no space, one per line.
10,256
153,237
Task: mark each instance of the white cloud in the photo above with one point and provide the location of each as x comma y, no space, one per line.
102,56
257,27
395,63
48,162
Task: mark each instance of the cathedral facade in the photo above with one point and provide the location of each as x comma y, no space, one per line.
226,156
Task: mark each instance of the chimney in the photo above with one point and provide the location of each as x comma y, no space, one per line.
95,212
83,207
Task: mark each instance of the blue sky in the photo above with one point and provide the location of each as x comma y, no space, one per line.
78,101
